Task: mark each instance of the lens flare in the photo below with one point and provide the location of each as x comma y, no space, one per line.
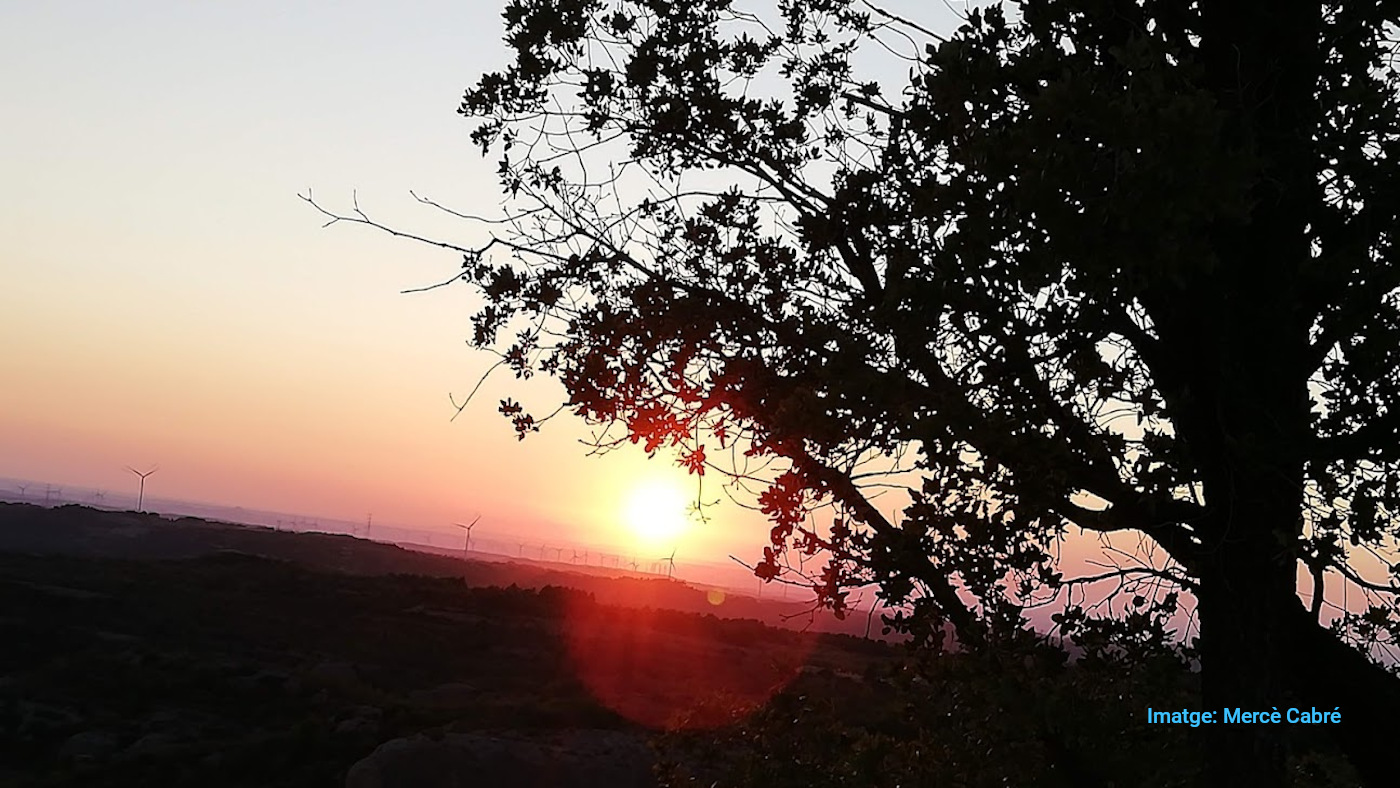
679,671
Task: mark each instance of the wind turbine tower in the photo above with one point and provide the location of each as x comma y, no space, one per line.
467,543
670,562
141,491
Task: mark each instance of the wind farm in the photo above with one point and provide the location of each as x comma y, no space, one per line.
575,559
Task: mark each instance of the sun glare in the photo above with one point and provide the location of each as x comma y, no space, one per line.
655,511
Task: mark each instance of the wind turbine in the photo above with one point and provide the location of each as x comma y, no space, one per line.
574,560
467,544
670,562
22,488
141,491
521,548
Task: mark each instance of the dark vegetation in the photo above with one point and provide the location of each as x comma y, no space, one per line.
182,665
229,668
233,670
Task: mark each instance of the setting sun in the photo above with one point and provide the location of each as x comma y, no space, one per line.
655,511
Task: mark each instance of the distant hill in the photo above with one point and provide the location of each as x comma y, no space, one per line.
81,531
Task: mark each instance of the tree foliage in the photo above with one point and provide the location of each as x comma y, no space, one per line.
1126,266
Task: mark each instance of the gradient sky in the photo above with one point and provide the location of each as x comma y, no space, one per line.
168,298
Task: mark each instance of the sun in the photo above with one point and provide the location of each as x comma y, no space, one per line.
655,511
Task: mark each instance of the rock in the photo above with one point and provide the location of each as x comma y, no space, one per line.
453,697
338,674
572,759
267,679
182,724
154,745
88,746
357,726
164,718
42,718
360,721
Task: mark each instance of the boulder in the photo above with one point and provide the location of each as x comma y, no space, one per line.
452,697
88,746
570,759
334,674
362,721
155,745
43,718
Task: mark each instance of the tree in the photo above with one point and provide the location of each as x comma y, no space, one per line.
1125,266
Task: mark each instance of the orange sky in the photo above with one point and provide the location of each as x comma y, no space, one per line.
169,300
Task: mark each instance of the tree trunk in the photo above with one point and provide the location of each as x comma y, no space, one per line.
1249,429
1245,648
1248,423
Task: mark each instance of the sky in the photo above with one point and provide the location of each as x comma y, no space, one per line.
169,300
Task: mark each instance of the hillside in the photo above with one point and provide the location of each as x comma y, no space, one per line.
82,531
143,651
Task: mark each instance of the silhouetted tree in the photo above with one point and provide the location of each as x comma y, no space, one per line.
1125,266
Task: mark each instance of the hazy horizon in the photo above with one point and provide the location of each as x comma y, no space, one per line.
488,538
